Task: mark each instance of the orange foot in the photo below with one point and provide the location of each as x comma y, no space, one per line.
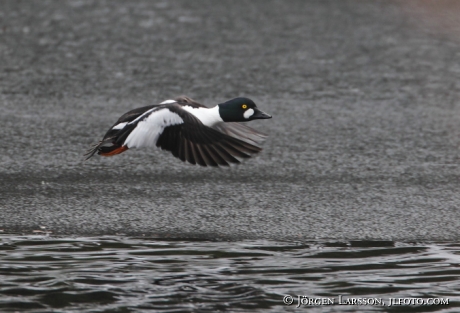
115,151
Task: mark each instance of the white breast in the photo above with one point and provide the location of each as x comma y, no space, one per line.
148,130
208,117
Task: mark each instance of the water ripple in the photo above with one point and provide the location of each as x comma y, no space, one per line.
115,274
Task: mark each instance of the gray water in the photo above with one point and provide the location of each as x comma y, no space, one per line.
356,192
119,274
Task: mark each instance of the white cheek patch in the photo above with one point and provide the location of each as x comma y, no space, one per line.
248,113
147,131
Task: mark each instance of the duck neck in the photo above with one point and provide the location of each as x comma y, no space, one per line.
207,116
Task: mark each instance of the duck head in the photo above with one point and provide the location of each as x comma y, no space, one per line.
241,110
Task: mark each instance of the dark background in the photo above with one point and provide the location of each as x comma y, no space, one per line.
363,144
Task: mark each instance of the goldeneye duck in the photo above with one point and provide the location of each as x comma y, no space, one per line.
191,131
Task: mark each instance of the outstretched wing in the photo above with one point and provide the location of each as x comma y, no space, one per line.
241,131
196,143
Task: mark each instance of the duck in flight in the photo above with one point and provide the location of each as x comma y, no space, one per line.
191,131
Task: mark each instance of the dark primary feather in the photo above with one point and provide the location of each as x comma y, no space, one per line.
198,144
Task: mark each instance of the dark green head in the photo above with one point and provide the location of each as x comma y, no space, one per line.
240,110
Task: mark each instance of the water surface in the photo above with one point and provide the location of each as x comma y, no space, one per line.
116,274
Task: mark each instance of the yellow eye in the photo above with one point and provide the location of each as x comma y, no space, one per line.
244,106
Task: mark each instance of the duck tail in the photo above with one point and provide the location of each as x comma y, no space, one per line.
92,150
